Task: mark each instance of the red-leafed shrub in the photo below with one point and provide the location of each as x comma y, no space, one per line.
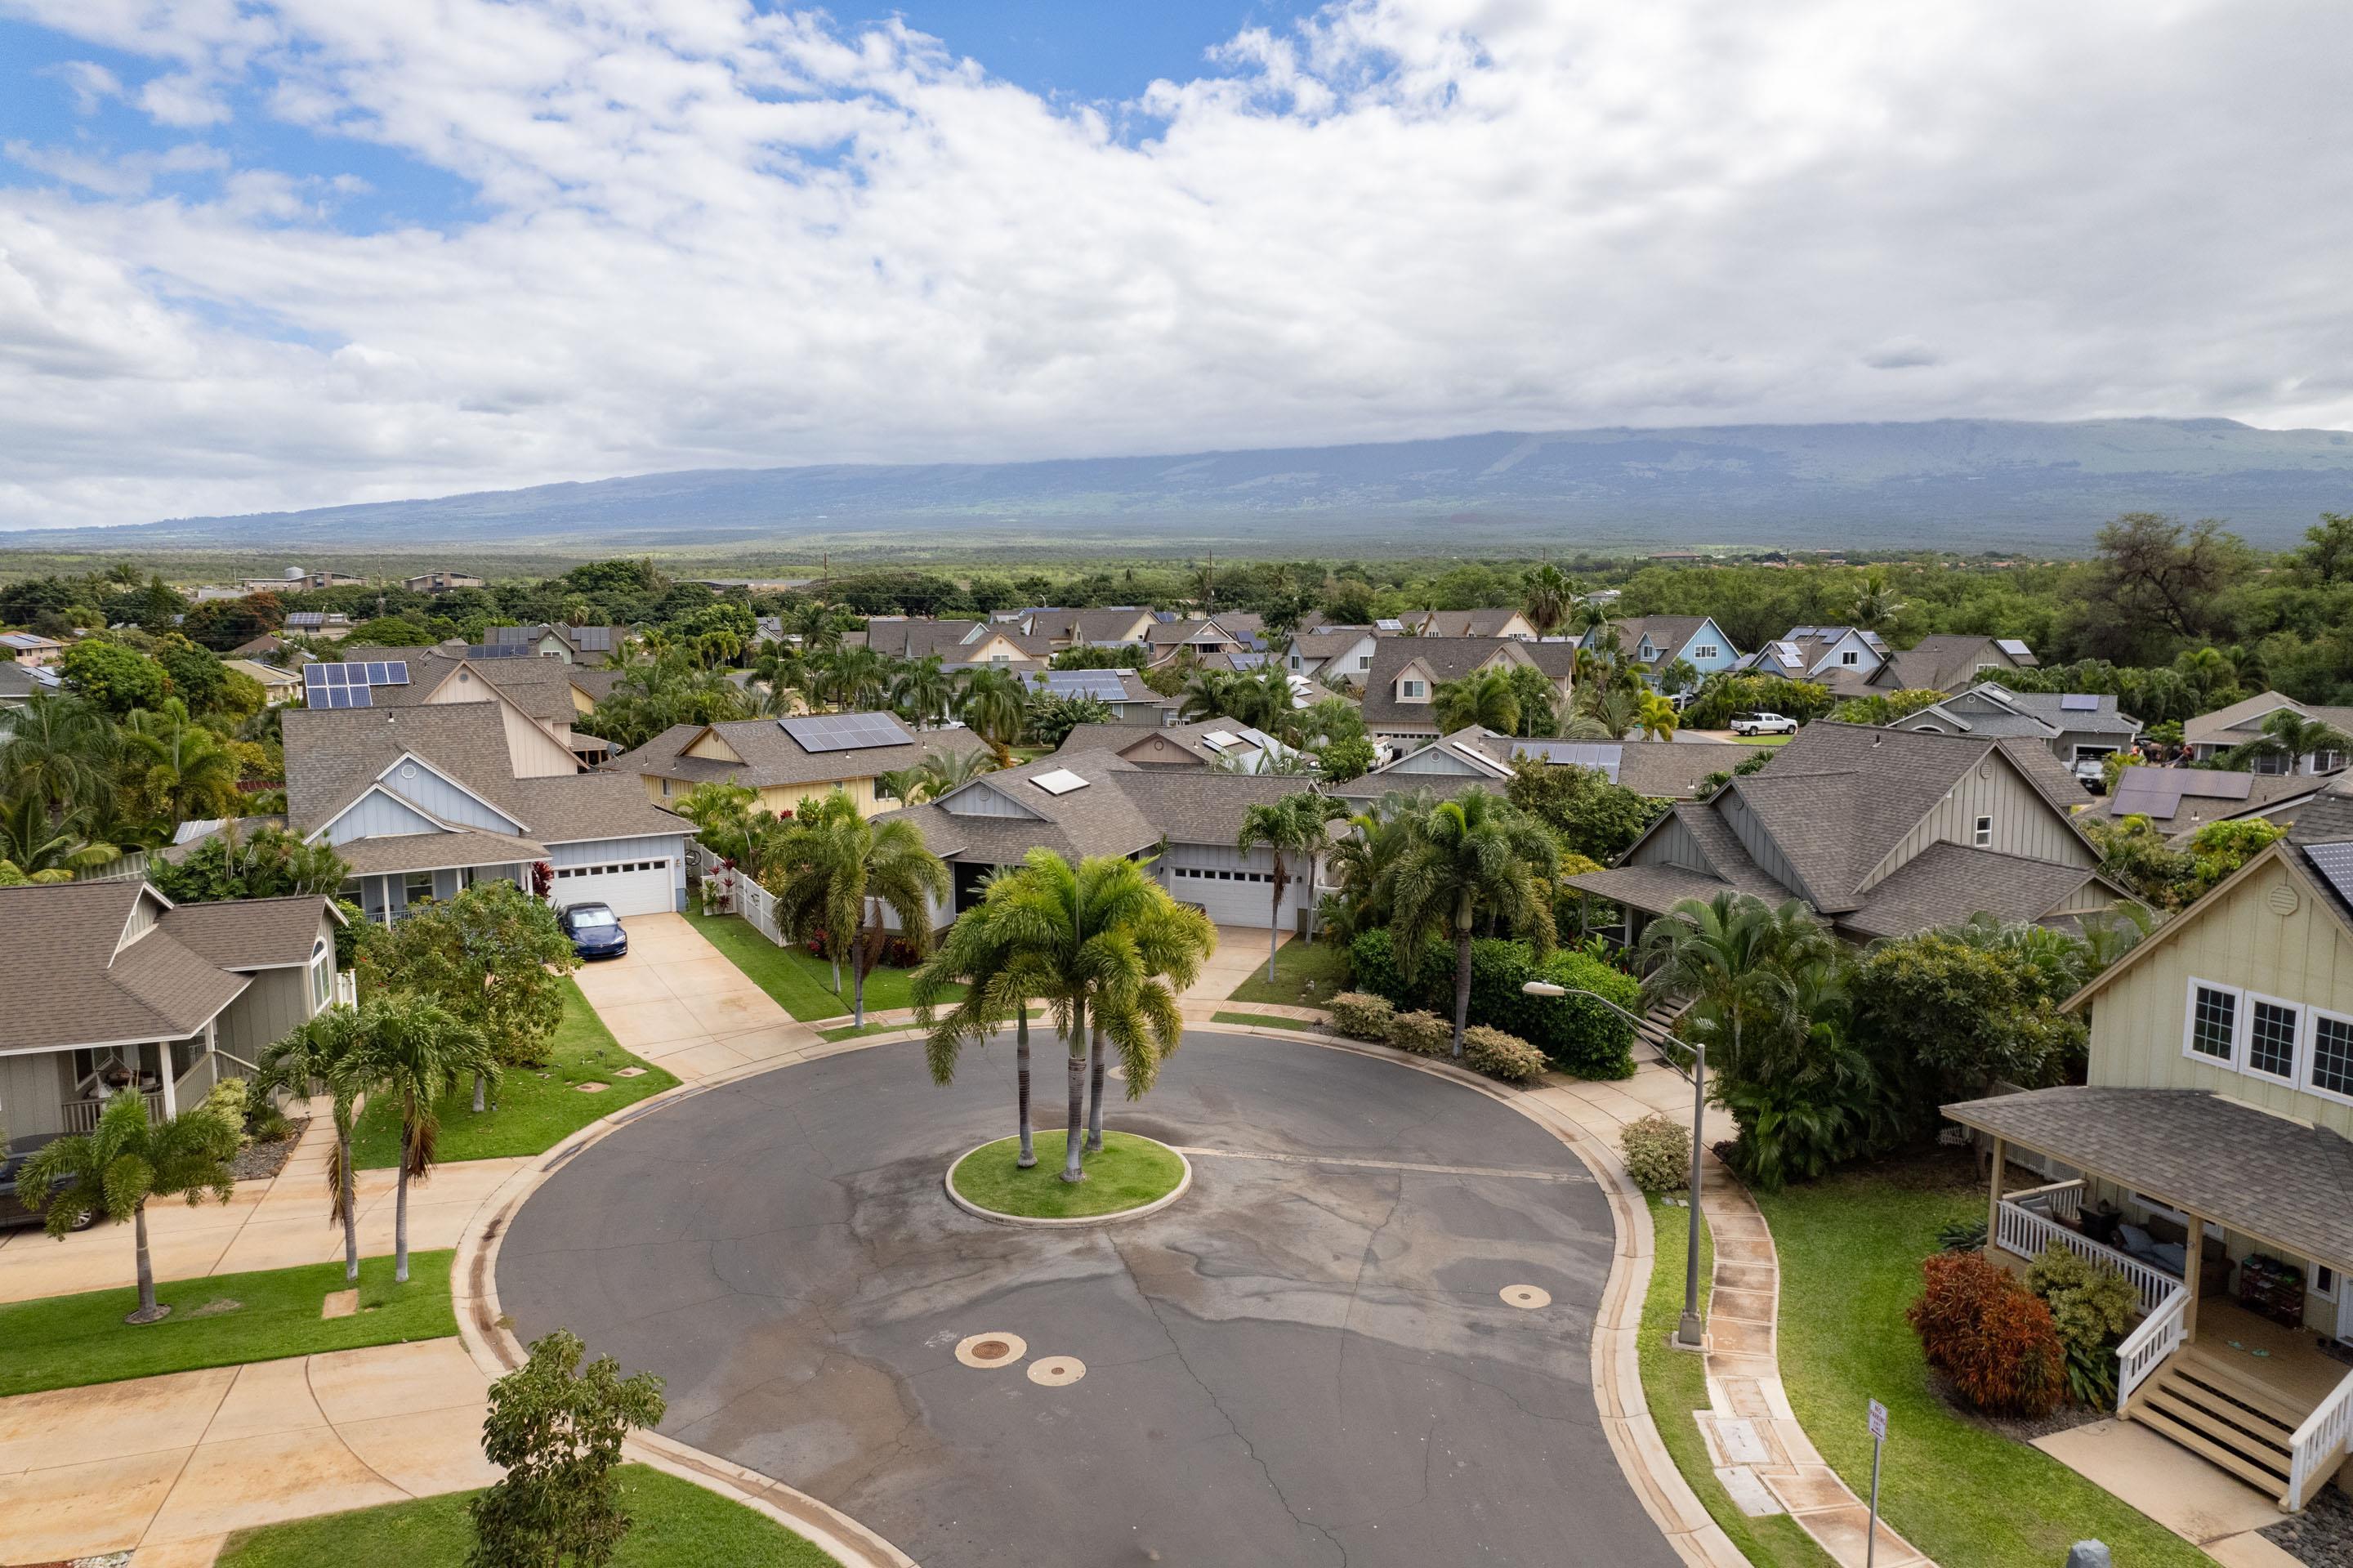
1990,1335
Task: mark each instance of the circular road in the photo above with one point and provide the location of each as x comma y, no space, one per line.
1309,1359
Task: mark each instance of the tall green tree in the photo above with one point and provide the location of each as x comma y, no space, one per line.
924,691
1549,599
557,1433
494,957
2289,739
836,871
422,1051
179,769
993,703
59,748
332,1051
126,1161
1461,859
1483,697
1296,825
999,979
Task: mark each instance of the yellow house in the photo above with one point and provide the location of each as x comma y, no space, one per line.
787,758
2207,1160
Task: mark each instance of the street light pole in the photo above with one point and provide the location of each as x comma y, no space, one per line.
1691,1330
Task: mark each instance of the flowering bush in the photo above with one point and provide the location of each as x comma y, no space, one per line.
1360,1015
1423,1034
1501,1055
1991,1336
1658,1153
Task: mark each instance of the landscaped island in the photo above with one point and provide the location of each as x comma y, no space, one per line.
1130,1173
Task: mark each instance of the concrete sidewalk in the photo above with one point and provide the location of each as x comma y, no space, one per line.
169,1465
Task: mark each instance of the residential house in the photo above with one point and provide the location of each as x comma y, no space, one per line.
1498,622
1853,662
1662,769
548,692
2209,736
1113,625
1211,743
1121,691
1650,643
278,686
1880,833
31,649
1187,819
111,984
1199,635
332,625
2077,727
422,799
266,646
2206,1160
597,645
440,582
959,645
1331,653
300,579
2177,801
1951,661
1408,670
20,684
788,759
1842,657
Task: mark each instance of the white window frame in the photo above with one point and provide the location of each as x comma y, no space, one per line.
2309,1057
1981,832
2247,1041
1706,650
1849,657
1410,690
2238,996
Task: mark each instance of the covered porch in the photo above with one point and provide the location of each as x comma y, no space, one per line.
436,870
56,1093
2232,1227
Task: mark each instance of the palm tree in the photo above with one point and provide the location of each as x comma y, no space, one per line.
1483,697
56,750
834,865
1607,713
1655,715
817,624
993,703
1297,824
946,771
1106,946
1875,603
2289,737
1472,856
183,768
1208,695
1736,959
123,1162
334,1050
924,691
1550,597
997,979
420,1053
44,848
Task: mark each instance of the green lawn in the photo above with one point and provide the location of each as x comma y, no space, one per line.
801,983
852,1031
1128,1172
67,1342
1263,1019
1675,1385
1850,1248
532,1109
676,1525
1297,964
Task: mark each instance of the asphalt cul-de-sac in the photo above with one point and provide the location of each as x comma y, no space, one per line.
1305,1360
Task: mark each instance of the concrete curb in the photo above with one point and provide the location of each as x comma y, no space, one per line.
1184,1184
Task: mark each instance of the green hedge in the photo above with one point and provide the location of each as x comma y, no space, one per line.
1576,1034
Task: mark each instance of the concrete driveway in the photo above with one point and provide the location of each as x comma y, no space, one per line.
1309,1359
680,1002
1241,950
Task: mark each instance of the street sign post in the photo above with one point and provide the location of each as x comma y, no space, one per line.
1878,1442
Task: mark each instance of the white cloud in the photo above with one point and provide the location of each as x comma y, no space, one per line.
707,235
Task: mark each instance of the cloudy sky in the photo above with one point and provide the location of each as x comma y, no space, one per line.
273,253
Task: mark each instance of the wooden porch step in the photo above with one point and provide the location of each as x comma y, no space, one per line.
2262,1440
2265,1479
2228,1379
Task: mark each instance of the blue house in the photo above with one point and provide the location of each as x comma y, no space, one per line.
1651,642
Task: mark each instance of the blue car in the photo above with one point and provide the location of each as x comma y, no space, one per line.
596,931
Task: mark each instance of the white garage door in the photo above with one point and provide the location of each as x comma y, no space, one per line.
631,886
1231,897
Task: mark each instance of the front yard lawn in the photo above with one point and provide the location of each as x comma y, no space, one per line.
801,983
677,1525
1261,1020
533,1108
1675,1385
67,1342
1850,1248
1305,974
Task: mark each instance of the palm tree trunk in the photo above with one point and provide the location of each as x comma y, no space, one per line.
1461,985
836,959
858,978
400,1215
1274,922
148,1311
478,1082
1075,1138
1021,1077
348,1181
1095,1088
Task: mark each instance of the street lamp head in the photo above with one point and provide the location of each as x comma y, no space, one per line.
1543,988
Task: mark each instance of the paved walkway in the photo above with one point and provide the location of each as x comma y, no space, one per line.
169,1465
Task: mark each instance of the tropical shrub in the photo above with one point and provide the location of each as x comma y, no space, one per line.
1576,1034
1658,1150
1360,1015
1721,697
2091,1307
1423,1034
1500,1055
1952,1017
1993,1338
1795,1128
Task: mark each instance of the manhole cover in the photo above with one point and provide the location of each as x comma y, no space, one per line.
1057,1371
991,1349
1527,1298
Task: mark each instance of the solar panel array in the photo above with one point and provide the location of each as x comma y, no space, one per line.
497,651
593,639
846,732
1103,685
347,685
2079,702
510,633
2159,791
307,618
1590,754
2013,647
2334,864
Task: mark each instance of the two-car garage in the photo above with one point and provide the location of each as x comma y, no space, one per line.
635,876
1234,888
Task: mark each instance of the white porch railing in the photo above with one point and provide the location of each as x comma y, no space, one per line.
2026,1232
2319,1444
82,1116
2144,1349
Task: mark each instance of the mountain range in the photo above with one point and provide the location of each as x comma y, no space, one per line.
1958,484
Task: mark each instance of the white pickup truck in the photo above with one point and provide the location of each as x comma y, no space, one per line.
1763,723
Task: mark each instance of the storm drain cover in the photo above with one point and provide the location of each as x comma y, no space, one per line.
1527,1298
1057,1371
984,1351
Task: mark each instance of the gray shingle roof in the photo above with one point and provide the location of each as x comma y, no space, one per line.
1447,659
252,933
1947,662
1488,622
2244,720
65,984
1123,809
1662,769
2225,1161
1948,883
774,759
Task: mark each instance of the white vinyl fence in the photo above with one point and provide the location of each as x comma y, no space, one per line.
727,891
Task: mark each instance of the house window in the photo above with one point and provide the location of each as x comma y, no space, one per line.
883,790
1412,691
1850,657
2213,1023
2271,1030
319,967
417,886
2332,1055
1363,661
2322,1282
1706,650
1295,661
666,784
1983,835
